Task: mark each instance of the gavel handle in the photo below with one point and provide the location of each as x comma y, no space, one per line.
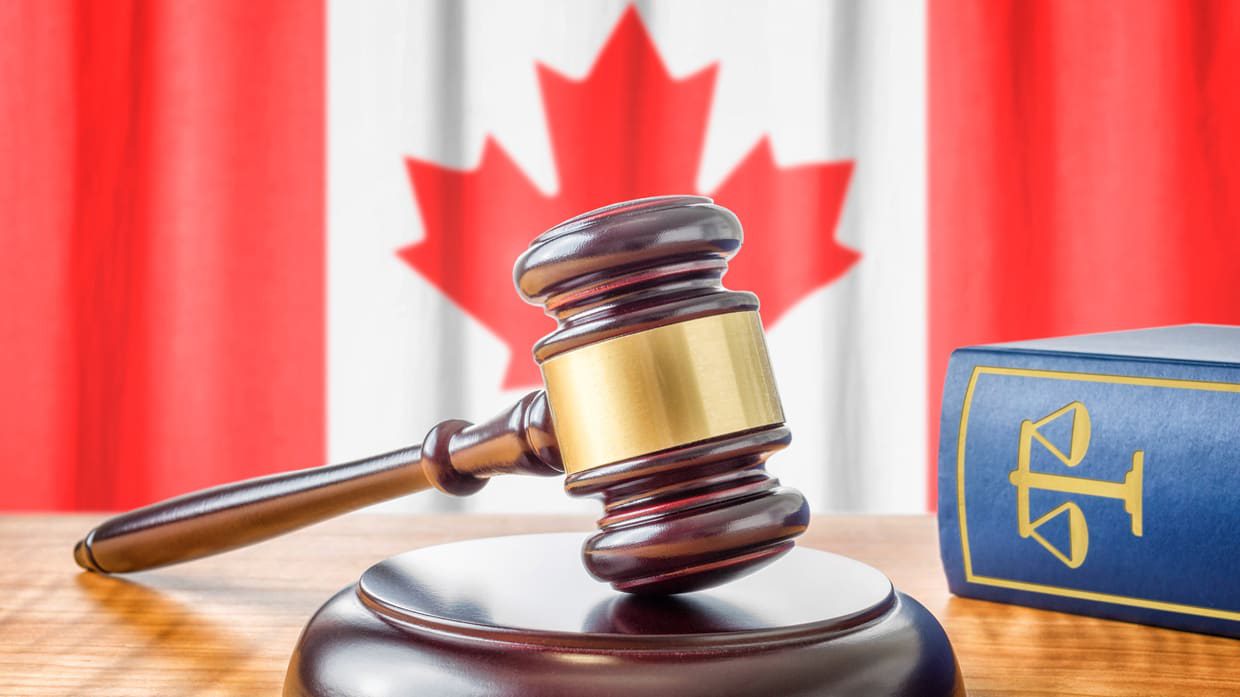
234,515
456,457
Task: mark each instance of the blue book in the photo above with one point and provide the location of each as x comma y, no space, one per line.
1097,474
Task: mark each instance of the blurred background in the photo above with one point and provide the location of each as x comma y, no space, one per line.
245,237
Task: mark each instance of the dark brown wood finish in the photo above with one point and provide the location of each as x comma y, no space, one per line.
456,457
691,517
674,521
476,618
629,267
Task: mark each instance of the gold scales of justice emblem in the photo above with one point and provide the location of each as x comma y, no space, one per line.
1025,479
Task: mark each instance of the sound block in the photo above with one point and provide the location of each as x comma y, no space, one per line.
520,616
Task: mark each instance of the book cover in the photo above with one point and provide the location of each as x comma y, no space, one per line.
1098,475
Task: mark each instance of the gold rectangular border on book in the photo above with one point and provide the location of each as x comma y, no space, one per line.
978,371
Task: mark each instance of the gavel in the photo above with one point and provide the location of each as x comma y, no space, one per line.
658,398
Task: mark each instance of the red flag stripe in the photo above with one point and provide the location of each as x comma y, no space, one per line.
1084,170
163,268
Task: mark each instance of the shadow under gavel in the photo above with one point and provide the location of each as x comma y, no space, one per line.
658,399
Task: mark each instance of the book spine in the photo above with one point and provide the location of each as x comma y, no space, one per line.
1098,485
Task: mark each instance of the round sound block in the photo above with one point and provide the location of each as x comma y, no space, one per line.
520,616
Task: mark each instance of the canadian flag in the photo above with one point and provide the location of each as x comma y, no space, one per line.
243,237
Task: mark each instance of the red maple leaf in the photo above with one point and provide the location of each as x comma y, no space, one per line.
625,131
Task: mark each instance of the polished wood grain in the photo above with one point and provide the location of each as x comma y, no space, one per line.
518,616
226,625
456,457
693,506
681,514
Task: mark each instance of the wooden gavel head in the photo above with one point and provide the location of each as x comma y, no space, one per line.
661,394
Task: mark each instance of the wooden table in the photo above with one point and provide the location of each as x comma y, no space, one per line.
225,626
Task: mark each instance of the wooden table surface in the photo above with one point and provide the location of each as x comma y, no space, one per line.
226,625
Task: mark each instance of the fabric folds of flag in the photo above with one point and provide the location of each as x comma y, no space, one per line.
247,237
